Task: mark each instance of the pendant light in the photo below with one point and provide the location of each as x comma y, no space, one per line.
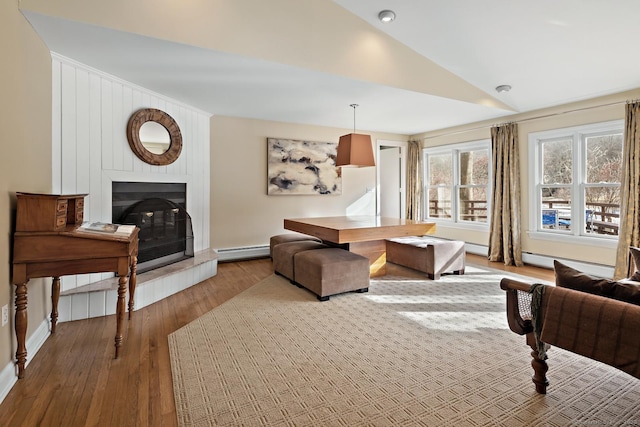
354,149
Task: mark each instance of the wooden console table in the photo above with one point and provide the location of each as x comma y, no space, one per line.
364,235
49,243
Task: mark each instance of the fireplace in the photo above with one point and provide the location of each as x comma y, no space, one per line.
159,210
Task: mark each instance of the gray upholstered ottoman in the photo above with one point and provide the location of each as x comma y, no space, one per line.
331,271
289,237
283,254
431,256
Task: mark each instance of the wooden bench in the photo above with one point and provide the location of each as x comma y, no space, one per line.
431,256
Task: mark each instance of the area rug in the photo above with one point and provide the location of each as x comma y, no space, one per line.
408,353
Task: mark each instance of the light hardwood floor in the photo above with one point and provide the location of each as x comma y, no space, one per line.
74,381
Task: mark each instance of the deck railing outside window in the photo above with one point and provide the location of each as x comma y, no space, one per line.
600,218
470,210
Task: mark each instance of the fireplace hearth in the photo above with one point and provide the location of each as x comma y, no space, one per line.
159,210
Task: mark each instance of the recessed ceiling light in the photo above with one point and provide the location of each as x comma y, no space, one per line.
386,16
503,88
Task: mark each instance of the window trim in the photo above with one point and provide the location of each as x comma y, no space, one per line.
535,168
454,150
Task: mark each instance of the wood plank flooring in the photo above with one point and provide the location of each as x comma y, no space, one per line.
75,381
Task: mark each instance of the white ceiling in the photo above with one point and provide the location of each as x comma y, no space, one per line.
551,52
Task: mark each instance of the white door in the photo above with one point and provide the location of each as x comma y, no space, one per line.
391,178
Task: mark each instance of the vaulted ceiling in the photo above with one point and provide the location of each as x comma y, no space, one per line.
436,66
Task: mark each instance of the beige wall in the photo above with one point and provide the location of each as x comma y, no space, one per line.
580,113
25,165
242,214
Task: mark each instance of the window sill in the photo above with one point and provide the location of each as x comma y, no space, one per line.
460,225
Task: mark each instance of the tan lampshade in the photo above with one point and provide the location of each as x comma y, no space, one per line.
355,150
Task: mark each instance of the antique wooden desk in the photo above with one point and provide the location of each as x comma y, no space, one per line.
49,243
364,235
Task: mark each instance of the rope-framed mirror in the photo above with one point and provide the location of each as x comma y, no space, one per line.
154,136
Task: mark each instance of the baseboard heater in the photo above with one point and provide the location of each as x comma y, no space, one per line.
247,252
546,261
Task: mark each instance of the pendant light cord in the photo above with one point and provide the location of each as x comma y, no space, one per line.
354,116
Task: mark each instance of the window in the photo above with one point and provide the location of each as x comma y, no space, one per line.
457,182
576,174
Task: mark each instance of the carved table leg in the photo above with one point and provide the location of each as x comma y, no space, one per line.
55,297
21,326
132,283
120,307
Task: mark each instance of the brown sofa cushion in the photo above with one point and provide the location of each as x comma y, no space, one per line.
628,292
567,277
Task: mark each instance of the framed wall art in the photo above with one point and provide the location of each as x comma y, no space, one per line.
297,167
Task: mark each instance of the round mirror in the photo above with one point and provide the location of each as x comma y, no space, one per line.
154,136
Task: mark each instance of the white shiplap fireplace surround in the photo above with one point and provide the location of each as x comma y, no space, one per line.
90,152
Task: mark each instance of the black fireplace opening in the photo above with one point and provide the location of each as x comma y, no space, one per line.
159,210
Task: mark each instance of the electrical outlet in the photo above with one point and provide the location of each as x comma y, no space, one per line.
5,314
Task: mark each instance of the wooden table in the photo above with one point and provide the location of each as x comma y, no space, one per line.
364,235
60,253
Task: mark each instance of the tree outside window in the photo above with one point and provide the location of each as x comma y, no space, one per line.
473,184
457,182
440,172
579,171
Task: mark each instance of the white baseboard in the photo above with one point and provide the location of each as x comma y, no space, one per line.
232,254
546,261
599,270
9,374
8,378
472,248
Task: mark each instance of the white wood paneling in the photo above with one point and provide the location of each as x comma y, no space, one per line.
92,203
118,132
97,304
106,120
80,306
83,149
69,120
83,124
127,103
56,123
64,310
90,148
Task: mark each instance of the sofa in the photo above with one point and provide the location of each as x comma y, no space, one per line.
590,316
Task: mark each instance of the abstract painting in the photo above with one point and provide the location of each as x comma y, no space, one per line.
302,168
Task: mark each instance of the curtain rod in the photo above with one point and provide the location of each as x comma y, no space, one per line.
533,118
